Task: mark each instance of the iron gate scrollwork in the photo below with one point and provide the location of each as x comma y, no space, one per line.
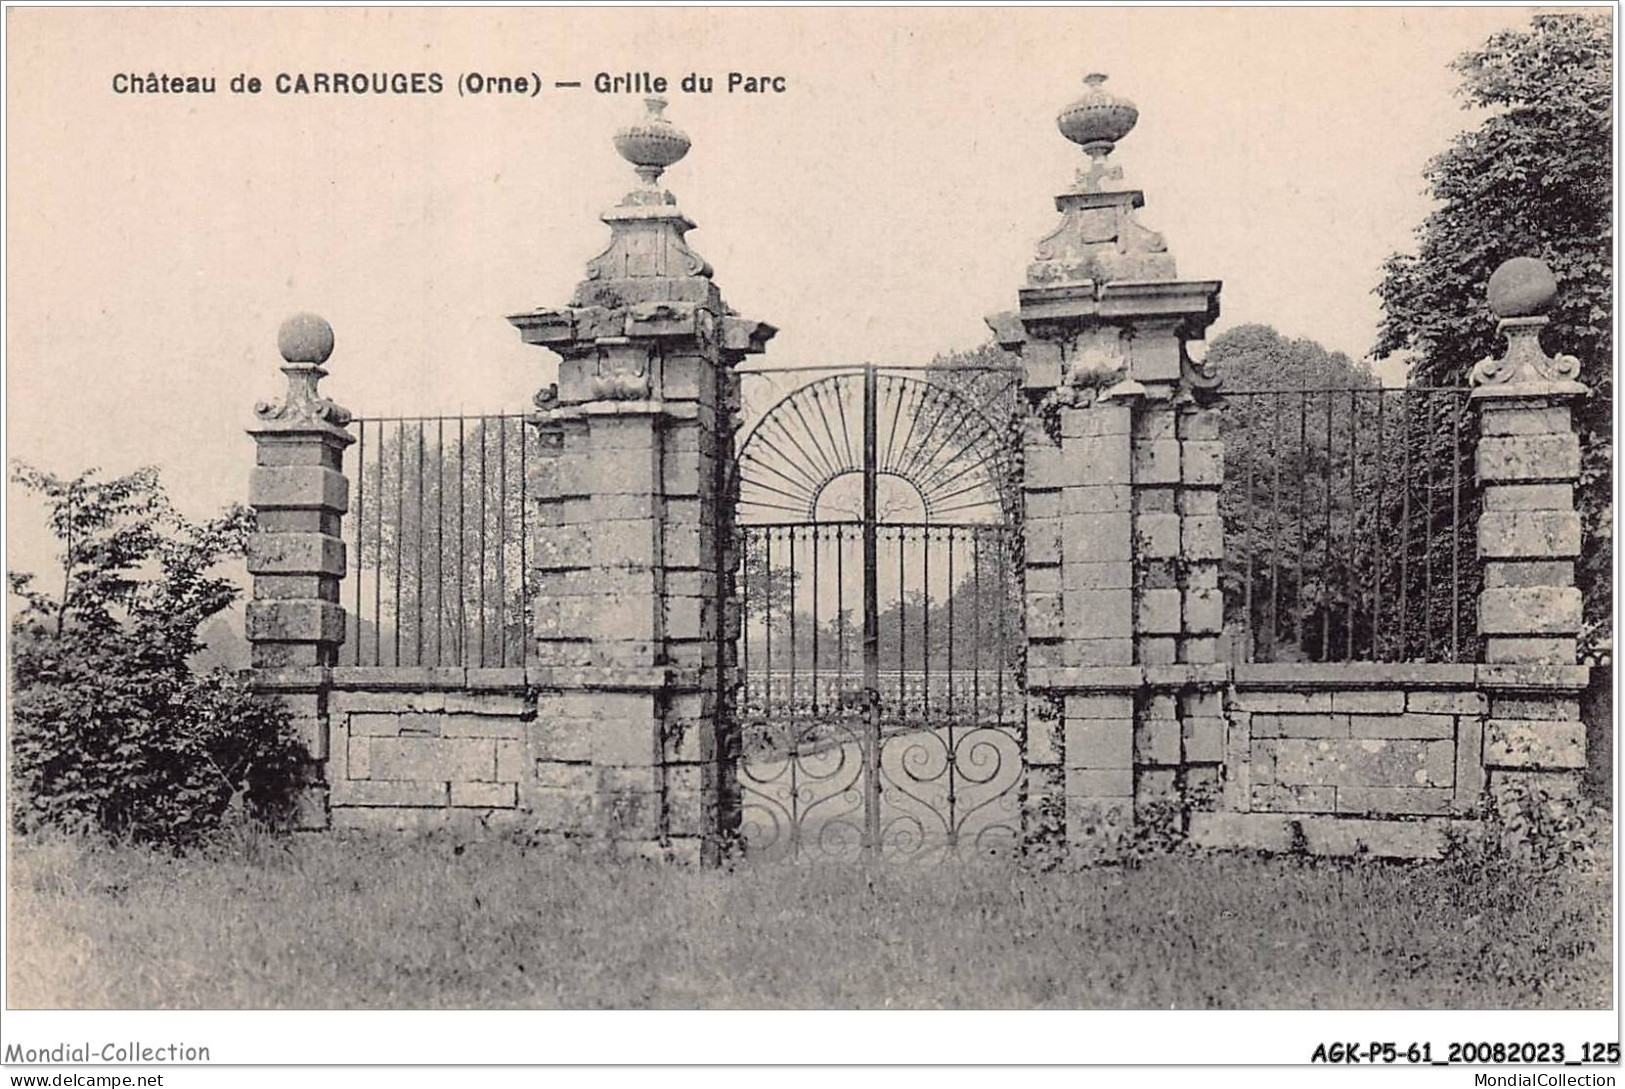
880,618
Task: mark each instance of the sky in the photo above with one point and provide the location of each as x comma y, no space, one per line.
876,209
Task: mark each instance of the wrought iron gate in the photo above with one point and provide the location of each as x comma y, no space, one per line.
880,603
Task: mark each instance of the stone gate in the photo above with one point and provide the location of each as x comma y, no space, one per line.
573,668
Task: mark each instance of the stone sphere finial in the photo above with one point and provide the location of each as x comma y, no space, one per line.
1522,287
305,338
652,144
1098,120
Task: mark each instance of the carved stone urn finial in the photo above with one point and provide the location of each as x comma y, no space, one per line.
652,144
1520,292
1096,122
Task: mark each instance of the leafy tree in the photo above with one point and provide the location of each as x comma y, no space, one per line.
112,731
1343,505
1534,179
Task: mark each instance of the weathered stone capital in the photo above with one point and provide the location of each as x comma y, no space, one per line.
306,342
1525,371
1520,292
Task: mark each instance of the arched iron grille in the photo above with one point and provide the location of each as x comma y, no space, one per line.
879,594
955,456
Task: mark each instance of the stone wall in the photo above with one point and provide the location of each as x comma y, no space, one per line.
621,731
1386,757
417,748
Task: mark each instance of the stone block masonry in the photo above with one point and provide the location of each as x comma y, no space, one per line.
411,751
297,555
629,745
621,731
1528,461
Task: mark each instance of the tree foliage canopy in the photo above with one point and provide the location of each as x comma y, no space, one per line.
112,731
1533,179
1341,502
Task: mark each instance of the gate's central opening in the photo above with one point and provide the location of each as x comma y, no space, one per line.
879,601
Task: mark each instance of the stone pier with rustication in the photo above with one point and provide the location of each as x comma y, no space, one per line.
1528,461
626,746
1135,710
296,556
1123,467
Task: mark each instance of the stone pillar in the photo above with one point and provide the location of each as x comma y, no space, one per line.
1528,461
627,747
296,556
1122,467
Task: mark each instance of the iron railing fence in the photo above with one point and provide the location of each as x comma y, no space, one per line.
441,530
948,620
1350,522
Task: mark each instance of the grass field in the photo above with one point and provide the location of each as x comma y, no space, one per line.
393,922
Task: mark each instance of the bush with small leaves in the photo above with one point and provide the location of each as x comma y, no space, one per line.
112,731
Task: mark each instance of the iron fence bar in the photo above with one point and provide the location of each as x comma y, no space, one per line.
955,429
462,542
902,625
502,539
1378,553
524,562
484,457
1004,543
953,824
1455,527
840,609
1405,523
1349,588
440,543
937,481
817,635
1427,539
1303,511
360,523
925,623
378,578
767,603
418,642
1249,630
400,501
886,369
953,541
745,539
1275,535
1326,570
790,612
791,721
871,615
978,541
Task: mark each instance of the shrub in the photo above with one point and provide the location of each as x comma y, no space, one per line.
1528,828
112,731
